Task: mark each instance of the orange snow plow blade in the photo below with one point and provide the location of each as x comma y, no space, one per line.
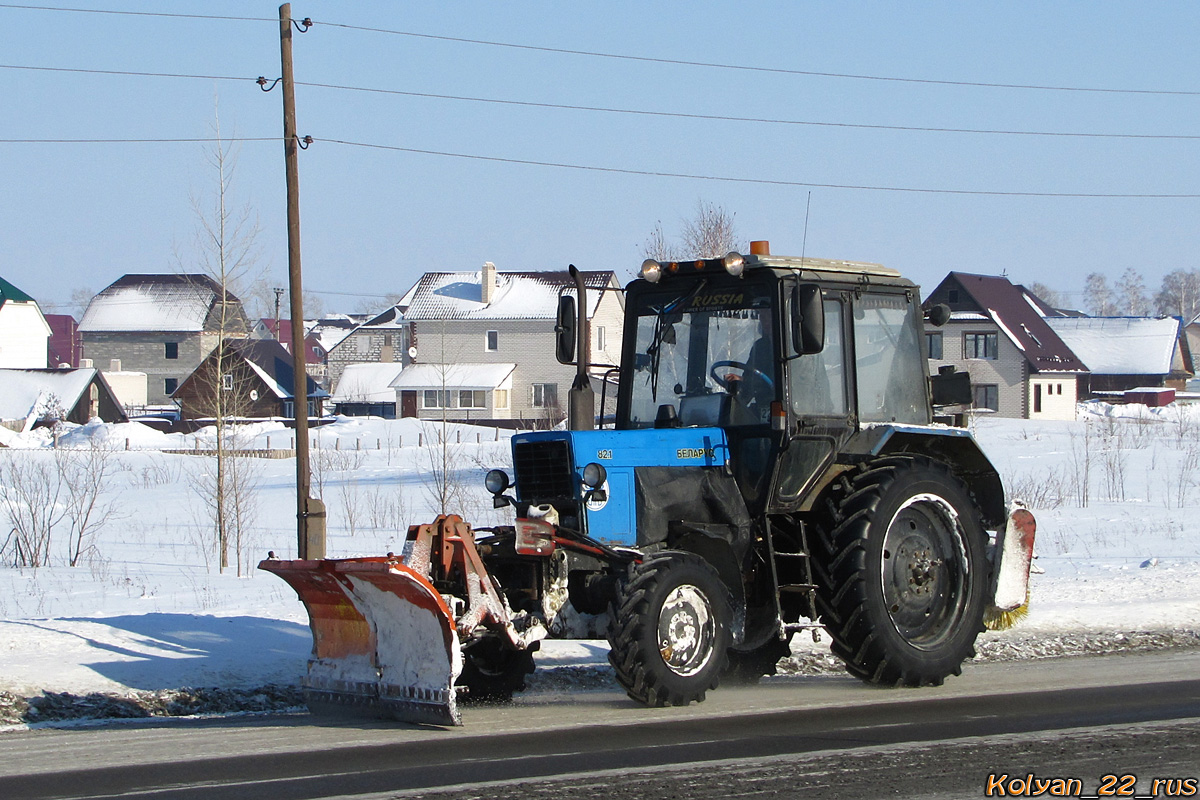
384,640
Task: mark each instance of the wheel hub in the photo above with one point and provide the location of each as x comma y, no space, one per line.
923,582
686,630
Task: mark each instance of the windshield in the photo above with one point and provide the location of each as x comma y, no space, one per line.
703,356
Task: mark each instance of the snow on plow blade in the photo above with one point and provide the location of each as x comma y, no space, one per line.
384,641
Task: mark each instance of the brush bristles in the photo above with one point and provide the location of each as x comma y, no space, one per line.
996,620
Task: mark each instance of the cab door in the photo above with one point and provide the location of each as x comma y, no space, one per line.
819,407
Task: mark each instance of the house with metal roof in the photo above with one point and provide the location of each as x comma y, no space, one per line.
24,332
382,339
999,333
162,325
481,344
1124,353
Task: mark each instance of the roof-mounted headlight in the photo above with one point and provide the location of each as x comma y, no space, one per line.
651,270
734,263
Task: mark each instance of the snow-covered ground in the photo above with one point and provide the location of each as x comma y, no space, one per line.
147,609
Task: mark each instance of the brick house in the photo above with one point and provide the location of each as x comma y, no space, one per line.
383,339
162,325
255,378
483,343
998,334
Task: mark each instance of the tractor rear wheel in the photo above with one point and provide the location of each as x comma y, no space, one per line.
904,573
670,630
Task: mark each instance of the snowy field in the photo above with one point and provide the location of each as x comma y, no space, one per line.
146,609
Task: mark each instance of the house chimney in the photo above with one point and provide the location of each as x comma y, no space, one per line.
487,280
114,365
85,363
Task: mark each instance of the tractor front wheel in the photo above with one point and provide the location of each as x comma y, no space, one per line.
670,630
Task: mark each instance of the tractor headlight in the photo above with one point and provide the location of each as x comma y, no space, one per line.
496,481
651,270
594,475
734,264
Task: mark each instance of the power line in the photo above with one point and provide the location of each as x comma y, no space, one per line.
762,181
137,13
760,120
634,112
144,141
636,58
750,68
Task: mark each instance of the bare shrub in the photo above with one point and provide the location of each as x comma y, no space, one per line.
1040,491
86,475
31,487
1083,455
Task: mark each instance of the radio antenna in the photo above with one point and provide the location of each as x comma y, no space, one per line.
804,242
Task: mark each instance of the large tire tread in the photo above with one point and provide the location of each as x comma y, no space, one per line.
842,571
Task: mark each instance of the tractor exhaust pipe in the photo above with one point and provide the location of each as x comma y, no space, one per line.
581,400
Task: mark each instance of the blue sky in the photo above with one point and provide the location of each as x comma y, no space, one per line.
81,215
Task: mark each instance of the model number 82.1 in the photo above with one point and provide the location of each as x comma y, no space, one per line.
604,454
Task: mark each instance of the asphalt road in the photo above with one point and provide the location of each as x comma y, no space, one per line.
1082,718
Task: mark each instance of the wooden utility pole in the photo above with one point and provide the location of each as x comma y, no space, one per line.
310,511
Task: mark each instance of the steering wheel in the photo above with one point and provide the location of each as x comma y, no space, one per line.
724,381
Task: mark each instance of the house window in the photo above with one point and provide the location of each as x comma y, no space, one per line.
500,398
952,296
170,385
986,395
599,337
435,398
387,340
172,350
1037,398
472,398
289,408
493,341
934,342
227,381
545,395
979,345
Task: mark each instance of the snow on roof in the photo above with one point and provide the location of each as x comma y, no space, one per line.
172,302
28,394
367,383
453,376
519,295
1120,345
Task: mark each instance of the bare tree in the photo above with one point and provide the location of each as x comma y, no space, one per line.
1179,295
658,247
226,250
711,233
1098,296
1131,294
1047,295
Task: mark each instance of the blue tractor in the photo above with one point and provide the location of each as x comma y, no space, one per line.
773,466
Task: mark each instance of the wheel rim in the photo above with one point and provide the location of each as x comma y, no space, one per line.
924,571
686,630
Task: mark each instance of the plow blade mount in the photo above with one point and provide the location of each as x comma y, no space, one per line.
384,641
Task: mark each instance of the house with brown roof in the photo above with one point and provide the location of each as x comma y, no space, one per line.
998,333
254,378
481,344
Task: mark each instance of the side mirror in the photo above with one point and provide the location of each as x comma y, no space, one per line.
564,330
950,388
938,315
808,320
